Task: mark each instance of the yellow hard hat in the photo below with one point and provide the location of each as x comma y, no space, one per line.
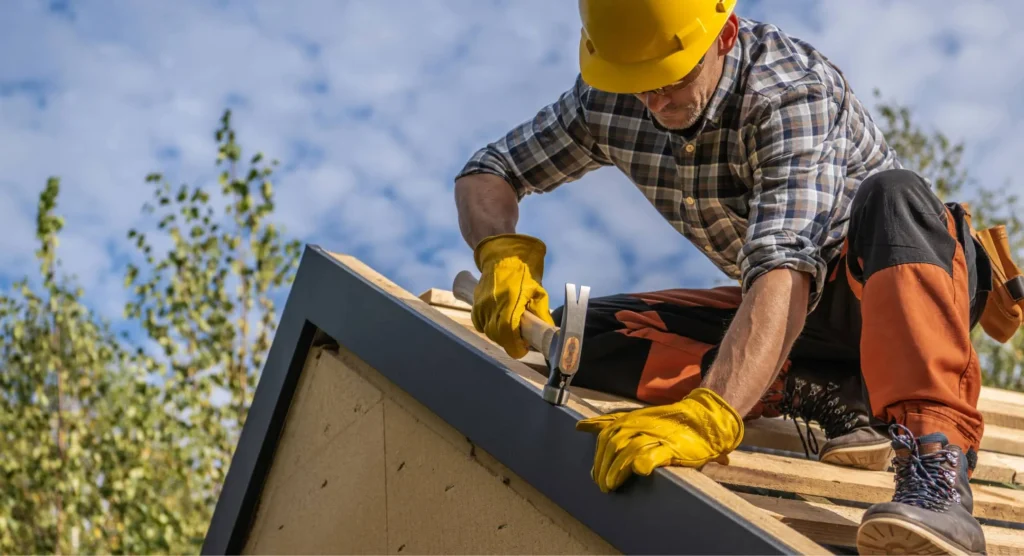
629,46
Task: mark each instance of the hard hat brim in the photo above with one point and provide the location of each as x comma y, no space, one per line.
636,78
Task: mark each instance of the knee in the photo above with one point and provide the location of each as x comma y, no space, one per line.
896,218
897,190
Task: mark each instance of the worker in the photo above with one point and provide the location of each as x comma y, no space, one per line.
856,288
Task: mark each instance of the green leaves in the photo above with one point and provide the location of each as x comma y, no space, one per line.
113,445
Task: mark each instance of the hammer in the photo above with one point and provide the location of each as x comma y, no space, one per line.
560,345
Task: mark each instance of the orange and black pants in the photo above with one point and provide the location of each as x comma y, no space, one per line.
898,307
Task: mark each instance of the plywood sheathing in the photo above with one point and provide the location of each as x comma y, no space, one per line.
824,489
325,490
363,468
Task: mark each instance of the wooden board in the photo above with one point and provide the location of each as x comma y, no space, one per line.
1002,408
836,525
780,434
820,479
444,298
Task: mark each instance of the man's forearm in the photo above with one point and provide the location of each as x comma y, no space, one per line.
759,339
487,206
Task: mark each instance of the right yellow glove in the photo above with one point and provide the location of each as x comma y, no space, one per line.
511,269
700,428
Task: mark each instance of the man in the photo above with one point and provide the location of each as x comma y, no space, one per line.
857,289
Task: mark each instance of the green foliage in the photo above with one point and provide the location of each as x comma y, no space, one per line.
82,466
111,448
940,160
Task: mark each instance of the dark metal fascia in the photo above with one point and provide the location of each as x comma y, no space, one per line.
492,406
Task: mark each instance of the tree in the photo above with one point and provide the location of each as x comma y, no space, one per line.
208,303
940,161
112,448
83,440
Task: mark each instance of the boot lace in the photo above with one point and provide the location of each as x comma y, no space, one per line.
923,480
811,401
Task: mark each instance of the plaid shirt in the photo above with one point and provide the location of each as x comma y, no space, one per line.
765,179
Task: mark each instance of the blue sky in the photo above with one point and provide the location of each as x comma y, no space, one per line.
372,107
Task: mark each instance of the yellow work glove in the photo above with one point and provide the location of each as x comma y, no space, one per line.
511,269
700,428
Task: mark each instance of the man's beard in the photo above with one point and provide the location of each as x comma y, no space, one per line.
689,114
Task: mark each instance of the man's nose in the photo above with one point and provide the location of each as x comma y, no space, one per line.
656,102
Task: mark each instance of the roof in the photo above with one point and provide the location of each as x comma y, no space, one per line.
770,499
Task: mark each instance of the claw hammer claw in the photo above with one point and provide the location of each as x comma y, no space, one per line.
560,345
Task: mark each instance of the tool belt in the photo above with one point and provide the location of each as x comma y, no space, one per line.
1004,309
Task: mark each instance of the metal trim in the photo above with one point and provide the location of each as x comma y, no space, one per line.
484,401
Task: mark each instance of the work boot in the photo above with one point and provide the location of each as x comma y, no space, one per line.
834,397
931,508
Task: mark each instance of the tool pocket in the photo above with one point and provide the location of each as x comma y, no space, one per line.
1004,310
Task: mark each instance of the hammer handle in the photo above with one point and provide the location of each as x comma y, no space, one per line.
537,333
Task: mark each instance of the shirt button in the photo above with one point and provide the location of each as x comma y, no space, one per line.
689,200
689,147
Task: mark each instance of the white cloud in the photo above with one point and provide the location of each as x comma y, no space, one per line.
372,108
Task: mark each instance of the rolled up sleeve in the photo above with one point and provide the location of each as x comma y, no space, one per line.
798,176
553,148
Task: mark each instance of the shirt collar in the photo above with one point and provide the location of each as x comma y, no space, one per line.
726,84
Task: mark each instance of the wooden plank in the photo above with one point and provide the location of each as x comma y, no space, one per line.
1003,440
836,525
690,478
444,298
1009,397
1002,414
779,434
1003,408
818,479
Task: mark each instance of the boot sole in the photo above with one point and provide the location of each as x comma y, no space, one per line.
873,457
891,535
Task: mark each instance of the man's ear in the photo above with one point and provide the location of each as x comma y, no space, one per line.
730,33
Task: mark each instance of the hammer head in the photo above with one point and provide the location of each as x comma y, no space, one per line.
564,357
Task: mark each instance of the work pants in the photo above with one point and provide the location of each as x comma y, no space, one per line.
898,306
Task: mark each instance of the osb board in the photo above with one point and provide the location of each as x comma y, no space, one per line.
325,490
362,468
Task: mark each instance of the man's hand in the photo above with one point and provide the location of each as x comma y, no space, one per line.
700,428
512,268
707,425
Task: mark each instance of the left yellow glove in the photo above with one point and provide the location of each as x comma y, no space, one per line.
700,428
511,269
